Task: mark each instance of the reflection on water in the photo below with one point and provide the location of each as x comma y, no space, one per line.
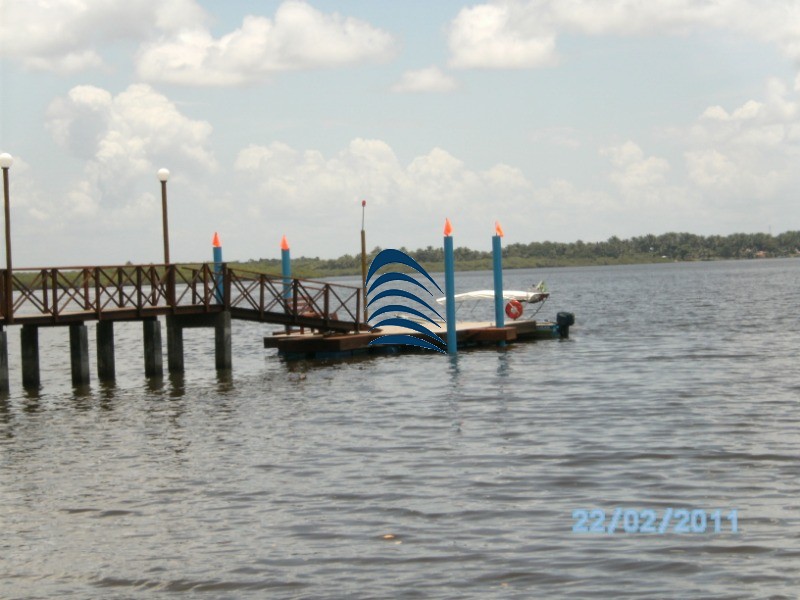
678,388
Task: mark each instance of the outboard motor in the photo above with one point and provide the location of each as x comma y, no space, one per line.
564,320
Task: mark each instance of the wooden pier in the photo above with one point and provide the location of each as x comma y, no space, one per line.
298,345
205,295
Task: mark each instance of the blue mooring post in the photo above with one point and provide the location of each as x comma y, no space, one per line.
497,263
450,288
286,269
217,268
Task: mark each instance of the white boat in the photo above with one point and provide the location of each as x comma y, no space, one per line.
537,294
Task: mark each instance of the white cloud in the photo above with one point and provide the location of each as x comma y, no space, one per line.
125,139
63,36
633,170
749,152
402,199
643,191
299,37
431,79
290,179
565,137
523,33
80,120
497,36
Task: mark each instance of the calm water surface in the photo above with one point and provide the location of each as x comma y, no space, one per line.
678,388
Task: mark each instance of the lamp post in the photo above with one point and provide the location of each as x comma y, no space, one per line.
6,160
163,176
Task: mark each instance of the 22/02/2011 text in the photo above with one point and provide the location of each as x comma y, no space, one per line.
673,520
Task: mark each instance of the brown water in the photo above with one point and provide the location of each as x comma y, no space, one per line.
678,388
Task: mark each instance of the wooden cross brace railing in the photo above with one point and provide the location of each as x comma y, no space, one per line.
57,295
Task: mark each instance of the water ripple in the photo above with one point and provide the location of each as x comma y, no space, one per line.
414,476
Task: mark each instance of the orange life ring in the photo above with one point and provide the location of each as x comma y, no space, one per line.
514,309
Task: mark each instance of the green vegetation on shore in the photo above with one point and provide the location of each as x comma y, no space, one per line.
667,247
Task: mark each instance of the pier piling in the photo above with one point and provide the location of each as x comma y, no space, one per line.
79,353
29,337
153,361
222,340
106,369
174,344
4,384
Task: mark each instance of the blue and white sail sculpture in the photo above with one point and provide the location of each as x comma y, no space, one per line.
419,310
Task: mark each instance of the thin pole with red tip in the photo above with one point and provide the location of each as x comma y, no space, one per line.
364,262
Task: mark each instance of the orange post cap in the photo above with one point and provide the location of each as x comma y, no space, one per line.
448,227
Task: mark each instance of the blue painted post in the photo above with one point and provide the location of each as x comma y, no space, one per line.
286,269
217,268
450,287
497,264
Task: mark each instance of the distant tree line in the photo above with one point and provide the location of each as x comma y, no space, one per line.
641,249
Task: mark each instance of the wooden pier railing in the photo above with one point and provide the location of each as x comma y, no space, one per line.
64,295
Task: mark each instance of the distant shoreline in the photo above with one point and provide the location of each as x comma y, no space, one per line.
648,249
483,265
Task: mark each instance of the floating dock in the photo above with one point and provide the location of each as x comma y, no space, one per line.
297,344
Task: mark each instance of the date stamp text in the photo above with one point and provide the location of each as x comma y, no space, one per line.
648,520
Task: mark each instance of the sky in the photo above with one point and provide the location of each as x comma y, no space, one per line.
561,119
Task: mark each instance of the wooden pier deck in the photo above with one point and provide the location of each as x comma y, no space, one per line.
205,295
296,344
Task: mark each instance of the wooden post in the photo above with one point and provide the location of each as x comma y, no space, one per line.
206,291
171,282
358,312
174,345
9,297
45,294
326,310
79,353
54,286
262,285
86,302
106,369
120,279
4,387
139,299
29,337
98,292
153,361
3,285
226,286
222,341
